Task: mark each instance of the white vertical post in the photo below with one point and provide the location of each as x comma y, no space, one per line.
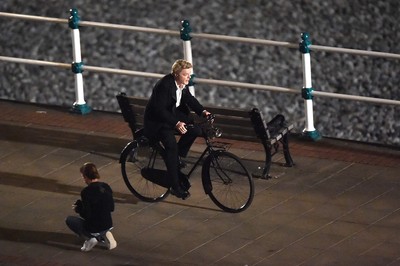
80,99
309,130
187,50
307,83
80,105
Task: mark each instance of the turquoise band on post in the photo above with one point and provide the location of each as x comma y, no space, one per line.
81,109
73,21
312,135
305,43
191,80
77,67
306,93
186,30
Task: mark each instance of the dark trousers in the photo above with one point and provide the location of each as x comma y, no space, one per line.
77,225
174,149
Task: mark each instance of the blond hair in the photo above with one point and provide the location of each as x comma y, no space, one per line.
180,64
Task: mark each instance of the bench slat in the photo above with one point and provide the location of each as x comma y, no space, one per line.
221,111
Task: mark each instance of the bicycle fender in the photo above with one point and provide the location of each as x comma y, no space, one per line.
205,176
205,173
128,147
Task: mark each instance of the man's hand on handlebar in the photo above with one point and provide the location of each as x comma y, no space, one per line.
209,116
181,127
206,113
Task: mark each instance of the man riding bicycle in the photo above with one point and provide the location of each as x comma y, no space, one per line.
166,114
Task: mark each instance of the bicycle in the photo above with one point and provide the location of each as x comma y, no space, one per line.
225,179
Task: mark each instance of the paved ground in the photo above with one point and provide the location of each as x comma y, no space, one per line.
339,205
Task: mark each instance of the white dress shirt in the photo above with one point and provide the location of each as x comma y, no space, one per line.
178,94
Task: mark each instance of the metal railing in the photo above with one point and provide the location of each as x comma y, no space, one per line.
305,46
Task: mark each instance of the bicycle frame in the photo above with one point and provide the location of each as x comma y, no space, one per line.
208,150
224,177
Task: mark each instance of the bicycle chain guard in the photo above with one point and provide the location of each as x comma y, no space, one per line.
156,176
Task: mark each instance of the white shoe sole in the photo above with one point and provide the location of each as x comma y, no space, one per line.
111,241
89,244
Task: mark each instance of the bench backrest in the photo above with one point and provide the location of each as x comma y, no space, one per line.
132,111
234,123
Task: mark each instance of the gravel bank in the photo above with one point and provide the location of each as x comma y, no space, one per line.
361,24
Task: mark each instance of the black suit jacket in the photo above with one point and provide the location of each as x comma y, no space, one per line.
161,110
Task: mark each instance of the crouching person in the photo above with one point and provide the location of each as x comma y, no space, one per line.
94,209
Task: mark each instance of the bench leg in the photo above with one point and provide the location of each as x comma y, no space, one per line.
267,164
286,152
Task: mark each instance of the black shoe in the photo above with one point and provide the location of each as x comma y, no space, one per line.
180,193
182,164
184,181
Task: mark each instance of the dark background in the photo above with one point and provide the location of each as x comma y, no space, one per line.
358,24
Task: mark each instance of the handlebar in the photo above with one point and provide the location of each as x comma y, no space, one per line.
212,131
209,130
210,118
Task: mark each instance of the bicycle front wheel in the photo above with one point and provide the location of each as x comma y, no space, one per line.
144,174
227,181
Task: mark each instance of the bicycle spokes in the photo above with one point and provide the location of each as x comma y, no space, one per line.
227,182
144,172
220,171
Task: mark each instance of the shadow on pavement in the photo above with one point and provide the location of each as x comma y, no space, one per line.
50,185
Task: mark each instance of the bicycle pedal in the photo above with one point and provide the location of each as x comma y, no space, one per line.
182,164
180,193
132,159
184,181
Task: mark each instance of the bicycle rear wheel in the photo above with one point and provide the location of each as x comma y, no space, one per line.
227,182
143,174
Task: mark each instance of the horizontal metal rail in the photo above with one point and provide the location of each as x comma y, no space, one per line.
34,18
129,28
356,98
243,85
216,37
34,62
122,72
353,51
204,81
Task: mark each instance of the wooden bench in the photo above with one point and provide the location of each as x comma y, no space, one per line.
235,124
